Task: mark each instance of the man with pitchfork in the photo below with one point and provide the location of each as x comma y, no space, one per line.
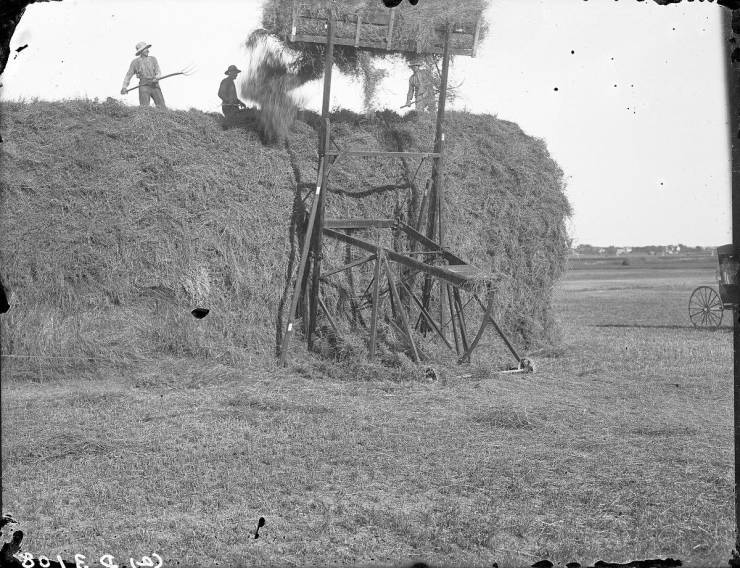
146,68
231,106
421,89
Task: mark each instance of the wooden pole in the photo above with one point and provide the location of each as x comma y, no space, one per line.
401,312
379,256
289,329
324,138
460,310
436,193
448,296
731,21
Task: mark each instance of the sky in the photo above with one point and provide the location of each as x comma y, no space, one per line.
638,122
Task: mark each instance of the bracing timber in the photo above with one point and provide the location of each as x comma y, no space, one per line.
443,271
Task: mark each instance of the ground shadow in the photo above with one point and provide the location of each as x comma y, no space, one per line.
657,326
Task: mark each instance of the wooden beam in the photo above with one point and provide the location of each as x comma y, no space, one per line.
429,243
460,310
357,30
486,318
445,294
429,319
476,34
376,300
402,313
438,272
356,313
389,35
380,154
294,23
359,223
328,315
497,328
301,268
350,265
378,45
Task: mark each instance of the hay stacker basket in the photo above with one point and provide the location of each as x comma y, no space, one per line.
707,304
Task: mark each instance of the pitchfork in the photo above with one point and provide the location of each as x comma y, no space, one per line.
189,70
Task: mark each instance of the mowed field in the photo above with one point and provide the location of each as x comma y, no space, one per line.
618,447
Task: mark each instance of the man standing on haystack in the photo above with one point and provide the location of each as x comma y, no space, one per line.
421,88
146,68
230,103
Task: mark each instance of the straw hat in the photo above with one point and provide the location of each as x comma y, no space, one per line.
232,69
141,46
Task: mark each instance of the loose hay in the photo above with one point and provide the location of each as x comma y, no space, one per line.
117,221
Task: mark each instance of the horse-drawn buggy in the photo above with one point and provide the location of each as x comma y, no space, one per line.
707,304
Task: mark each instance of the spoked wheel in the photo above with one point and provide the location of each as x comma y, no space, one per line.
705,308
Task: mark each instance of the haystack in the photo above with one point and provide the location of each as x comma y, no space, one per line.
118,221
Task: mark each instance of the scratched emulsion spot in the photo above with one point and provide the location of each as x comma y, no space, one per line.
200,313
260,524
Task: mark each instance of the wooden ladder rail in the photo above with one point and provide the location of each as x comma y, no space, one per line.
289,328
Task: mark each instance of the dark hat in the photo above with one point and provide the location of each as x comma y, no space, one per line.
232,69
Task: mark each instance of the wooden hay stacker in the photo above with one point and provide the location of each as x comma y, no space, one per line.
452,275
707,304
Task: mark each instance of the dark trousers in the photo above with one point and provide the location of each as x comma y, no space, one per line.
233,115
147,92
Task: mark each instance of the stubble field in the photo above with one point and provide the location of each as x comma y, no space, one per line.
619,447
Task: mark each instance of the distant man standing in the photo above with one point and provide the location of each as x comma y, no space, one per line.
230,103
421,90
146,68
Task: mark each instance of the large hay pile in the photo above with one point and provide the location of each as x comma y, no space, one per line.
117,221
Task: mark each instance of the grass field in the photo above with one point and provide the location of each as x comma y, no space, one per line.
619,447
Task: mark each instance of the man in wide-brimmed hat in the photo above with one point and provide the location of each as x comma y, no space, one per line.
421,89
230,103
146,68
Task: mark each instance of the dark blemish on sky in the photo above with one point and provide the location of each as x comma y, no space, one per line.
18,50
555,89
572,51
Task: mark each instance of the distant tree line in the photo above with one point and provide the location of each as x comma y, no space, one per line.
647,249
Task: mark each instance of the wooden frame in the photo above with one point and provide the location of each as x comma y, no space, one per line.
452,278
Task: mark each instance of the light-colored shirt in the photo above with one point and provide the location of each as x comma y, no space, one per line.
145,68
420,84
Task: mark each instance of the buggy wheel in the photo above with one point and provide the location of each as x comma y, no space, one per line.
705,308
